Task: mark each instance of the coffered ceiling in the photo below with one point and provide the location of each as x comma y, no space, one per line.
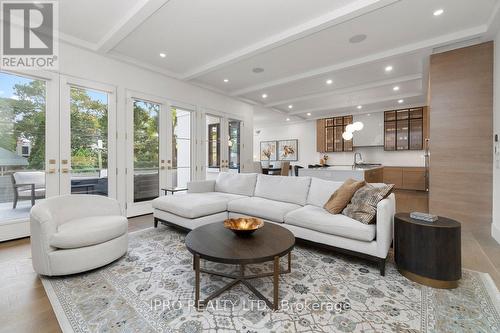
286,50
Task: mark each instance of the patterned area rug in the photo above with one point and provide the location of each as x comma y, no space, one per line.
152,287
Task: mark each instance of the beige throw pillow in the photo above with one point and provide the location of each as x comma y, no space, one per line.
363,206
342,196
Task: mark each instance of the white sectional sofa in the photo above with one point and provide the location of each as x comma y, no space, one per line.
296,203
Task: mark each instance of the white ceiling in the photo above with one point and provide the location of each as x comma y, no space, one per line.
89,20
299,44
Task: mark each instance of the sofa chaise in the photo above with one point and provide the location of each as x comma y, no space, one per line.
295,203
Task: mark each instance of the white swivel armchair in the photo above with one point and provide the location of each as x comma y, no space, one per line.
76,233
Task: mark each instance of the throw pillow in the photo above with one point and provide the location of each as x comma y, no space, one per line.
342,196
363,206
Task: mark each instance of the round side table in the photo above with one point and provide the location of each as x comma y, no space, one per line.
428,252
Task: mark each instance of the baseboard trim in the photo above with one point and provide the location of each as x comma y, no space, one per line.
495,232
14,229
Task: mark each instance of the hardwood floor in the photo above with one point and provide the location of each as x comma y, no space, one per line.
24,306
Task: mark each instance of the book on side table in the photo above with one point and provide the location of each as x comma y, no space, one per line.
423,217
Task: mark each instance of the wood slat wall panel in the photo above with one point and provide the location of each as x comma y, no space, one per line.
461,133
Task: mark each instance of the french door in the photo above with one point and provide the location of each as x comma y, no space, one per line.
29,150
57,137
88,138
149,150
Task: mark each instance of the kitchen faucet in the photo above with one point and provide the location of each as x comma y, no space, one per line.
355,158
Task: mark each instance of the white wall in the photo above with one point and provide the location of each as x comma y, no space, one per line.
305,132
88,65
495,227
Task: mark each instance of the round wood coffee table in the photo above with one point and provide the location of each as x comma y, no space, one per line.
215,243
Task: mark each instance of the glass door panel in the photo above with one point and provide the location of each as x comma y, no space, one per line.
416,137
180,173
212,140
22,145
402,134
146,173
88,138
29,148
149,151
234,130
390,135
89,142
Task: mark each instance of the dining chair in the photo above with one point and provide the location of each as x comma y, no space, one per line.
285,168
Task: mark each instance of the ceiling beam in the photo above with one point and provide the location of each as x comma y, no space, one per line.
351,89
338,16
365,103
142,10
422,46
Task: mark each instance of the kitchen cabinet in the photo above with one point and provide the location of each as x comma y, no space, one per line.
410,188
348,146
320,135
405,129
406,178
329,134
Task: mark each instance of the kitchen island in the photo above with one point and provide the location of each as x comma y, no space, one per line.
369,173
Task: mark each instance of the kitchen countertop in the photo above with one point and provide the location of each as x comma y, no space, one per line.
339,172
346,168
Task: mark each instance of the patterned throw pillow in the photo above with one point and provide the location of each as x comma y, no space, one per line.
342,196
363,206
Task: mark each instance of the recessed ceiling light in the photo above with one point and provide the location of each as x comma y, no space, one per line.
309,113
258,70
290,106
396,88
163,55
388,69
438,12
329,81
226,80
360,107
401,101
264,95
357,38
287,119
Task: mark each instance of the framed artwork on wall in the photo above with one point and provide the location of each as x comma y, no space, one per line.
288,150
268,151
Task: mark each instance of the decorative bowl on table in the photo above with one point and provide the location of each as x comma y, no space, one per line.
243,226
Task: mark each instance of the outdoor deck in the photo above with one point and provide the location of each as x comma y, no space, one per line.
22,211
